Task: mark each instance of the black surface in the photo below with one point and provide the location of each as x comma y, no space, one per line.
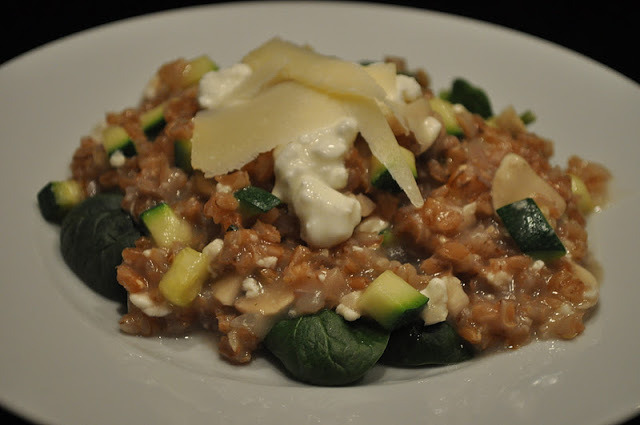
604,31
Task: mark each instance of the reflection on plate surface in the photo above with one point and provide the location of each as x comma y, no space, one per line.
63,359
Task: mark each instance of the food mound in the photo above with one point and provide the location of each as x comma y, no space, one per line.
336,214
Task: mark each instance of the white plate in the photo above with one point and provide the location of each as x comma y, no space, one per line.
63,360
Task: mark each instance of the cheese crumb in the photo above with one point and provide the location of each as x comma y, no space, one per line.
151,308
251,287
436,310
216,87
348,307
117,159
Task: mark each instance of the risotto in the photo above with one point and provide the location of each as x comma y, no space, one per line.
292,185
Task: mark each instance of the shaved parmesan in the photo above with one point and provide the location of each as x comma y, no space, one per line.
384,73
326,73
228,138
294,91
416,114
384,146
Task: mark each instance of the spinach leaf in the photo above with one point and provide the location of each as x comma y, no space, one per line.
473,98
420,345
324,349
92,237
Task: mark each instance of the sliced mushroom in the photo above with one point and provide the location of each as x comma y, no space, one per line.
591,286
516,180
271,301
227,288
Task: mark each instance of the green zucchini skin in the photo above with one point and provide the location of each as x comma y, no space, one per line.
165,227
391,301
531,231
153,122
182,155
254,200
116,138
56,198
381,177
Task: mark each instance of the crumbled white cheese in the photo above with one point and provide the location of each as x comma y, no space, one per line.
216,87
537,265
348,307
251,287
436,310
427,132
499,279
213,248
469,214
267,262
143,301
309,172
223,188
348,313
457,299
212,251
408,88
117,159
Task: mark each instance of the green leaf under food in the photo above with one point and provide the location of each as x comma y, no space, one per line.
419,345
324,349
92,237
471,97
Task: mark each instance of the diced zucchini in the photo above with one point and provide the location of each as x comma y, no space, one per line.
196,69
254,200
381,177
165,227
115,138
56,198
579,189
445,110
153,122
182,154
391,301
182,283
530,230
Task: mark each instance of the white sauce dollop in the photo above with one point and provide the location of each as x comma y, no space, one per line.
309,172
216,87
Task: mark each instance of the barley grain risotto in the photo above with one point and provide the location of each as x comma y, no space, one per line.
336,214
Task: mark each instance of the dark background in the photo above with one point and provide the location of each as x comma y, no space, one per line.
606,32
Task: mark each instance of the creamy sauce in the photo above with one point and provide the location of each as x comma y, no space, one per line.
309,172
